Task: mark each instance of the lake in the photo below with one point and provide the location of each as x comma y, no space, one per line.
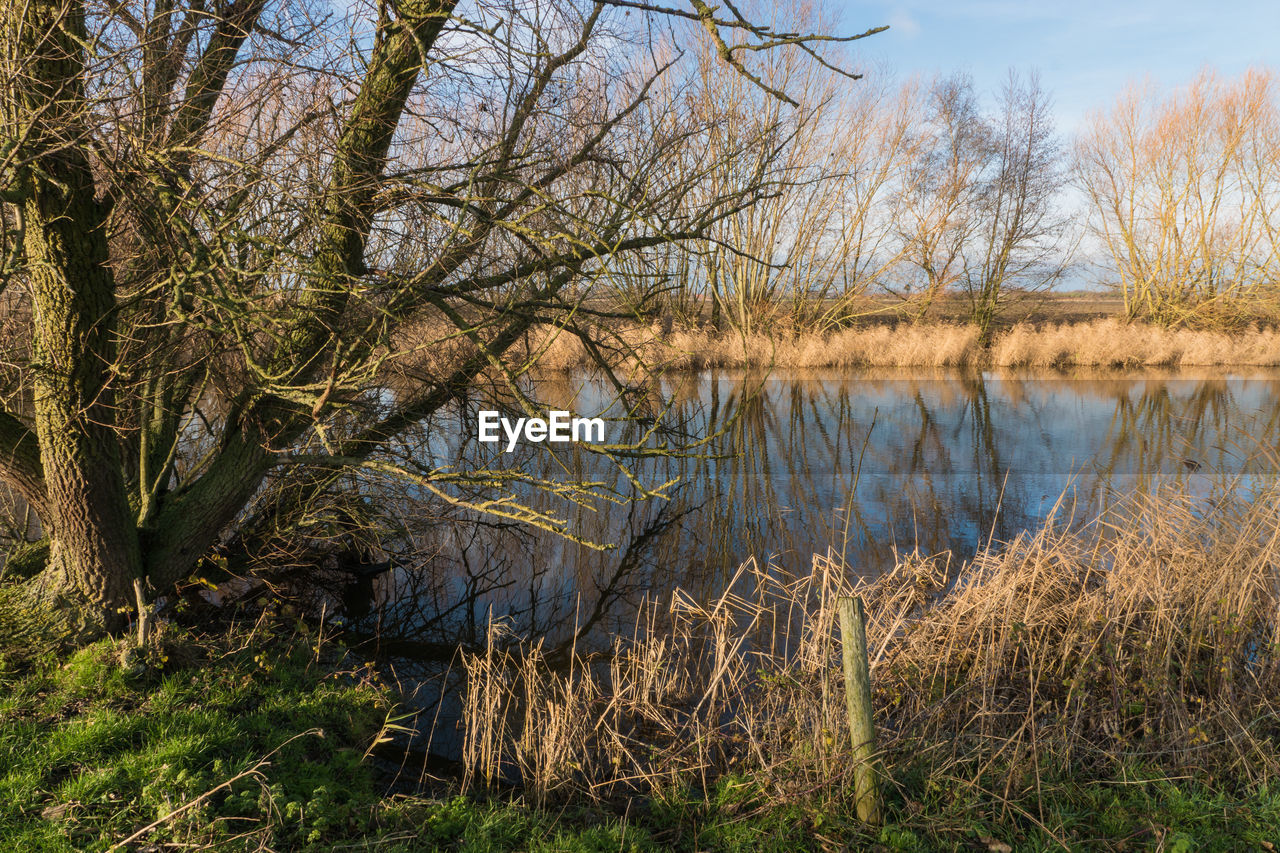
872,465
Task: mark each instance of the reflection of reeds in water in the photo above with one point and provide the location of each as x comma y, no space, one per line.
1099,343
1152,632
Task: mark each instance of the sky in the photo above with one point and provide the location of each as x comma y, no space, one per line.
1087,51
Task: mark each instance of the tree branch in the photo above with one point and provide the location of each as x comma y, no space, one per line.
20,463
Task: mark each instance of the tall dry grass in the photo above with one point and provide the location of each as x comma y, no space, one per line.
1150,637
1098,343
1112,343
934,345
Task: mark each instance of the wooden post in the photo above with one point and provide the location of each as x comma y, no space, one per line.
857,696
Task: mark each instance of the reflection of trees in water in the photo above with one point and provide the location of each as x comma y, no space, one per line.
1158,431
951,461
934,474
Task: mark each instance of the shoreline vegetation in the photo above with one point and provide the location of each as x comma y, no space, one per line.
259,259
1100,686
1103,343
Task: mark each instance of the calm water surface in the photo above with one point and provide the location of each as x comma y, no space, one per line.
871,465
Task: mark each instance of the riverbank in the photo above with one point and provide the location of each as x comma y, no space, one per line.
246,756
1108,343
1103,687
1084,687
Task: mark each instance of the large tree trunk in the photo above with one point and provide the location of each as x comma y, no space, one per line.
112,516
99,540
94,552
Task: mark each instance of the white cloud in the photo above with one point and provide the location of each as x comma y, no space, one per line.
903,24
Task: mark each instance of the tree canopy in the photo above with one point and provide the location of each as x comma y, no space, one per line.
250,245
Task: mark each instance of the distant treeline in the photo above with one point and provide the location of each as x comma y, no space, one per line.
924,189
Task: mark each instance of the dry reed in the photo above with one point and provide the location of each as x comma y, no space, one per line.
1099,343
1111,343
938,345
1149,635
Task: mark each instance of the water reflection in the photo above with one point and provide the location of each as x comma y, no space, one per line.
871,465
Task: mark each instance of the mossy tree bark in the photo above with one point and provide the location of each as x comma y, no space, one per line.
71,468
93,539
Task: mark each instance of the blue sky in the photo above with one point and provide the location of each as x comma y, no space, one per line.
1086,50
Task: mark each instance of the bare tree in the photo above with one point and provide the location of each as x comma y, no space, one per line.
936,216
804,255
230,215
1183,196
1017,242
874,151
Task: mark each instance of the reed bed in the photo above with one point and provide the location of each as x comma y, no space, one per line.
1097,343
1147,638
1112,343
934,345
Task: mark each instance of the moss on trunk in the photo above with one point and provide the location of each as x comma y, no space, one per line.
25,561
41,616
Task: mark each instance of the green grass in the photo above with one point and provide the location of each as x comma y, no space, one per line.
92,750
1128,817
1134,811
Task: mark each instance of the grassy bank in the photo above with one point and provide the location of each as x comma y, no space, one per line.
1095,343
238,739
1104,688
